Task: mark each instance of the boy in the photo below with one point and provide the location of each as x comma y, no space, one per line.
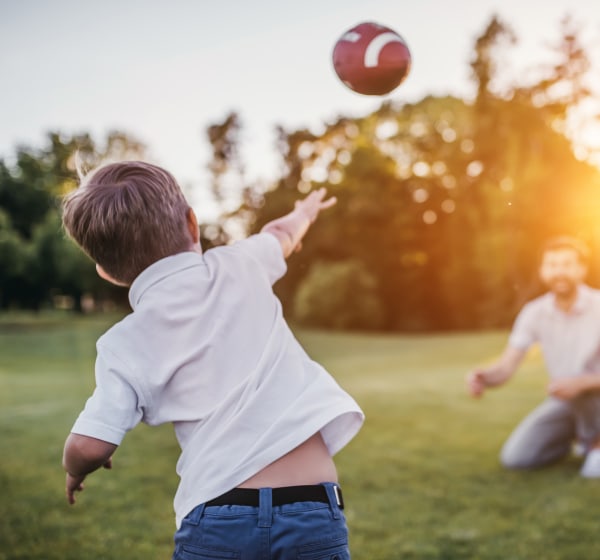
207,349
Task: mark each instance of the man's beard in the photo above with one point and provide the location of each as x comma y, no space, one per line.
562,287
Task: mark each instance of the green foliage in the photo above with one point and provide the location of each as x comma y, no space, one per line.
446,203
421,480
11,249
24,194
37,261
324,294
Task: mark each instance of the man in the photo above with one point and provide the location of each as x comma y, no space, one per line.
566,323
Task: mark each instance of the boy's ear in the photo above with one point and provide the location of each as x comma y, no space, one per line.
192,224
106,276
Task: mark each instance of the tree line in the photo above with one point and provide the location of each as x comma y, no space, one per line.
442,204
39,266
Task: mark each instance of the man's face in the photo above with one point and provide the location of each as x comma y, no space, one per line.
562,271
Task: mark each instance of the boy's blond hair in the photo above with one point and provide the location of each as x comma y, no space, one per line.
126,216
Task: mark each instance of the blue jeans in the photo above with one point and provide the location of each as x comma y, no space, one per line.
301,530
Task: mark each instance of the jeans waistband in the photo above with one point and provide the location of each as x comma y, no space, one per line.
279,496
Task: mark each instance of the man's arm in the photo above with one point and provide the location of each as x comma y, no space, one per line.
291,228
496,374
568,388
83,455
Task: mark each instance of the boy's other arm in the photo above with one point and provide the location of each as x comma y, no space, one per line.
83,455
291,228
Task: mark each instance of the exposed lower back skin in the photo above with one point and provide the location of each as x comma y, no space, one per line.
309,463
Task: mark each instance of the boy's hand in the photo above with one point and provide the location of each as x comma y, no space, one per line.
75,482
314,203
291,228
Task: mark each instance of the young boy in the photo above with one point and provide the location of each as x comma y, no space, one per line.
207,348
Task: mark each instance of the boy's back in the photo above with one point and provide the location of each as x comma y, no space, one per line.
207,349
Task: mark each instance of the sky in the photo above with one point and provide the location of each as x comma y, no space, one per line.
164,70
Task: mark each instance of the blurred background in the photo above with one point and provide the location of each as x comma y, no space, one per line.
446,187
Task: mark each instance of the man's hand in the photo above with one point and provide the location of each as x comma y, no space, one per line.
496,373
476,384
567,388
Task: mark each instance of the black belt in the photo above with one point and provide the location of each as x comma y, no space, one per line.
280,496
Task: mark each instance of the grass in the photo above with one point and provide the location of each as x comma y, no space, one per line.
421,480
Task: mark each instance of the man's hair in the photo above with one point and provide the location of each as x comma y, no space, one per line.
126,216
567,242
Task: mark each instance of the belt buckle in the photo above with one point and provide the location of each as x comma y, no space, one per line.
338,496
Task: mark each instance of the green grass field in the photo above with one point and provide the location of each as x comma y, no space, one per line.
421,480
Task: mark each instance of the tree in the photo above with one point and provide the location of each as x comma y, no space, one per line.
339,295
227,174
37,262
444,202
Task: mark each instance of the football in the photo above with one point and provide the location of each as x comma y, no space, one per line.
371,59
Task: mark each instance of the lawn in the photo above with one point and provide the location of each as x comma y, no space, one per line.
421,480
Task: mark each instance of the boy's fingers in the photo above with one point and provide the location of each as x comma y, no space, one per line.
329,202
71,493
318,194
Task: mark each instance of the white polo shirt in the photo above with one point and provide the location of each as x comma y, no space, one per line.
570,342
207,348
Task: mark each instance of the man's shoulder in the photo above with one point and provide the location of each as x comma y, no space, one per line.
537,303
591,292
589,300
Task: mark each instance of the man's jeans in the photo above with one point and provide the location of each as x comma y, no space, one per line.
548,432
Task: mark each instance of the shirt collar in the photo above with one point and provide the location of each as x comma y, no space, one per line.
159,271
581,301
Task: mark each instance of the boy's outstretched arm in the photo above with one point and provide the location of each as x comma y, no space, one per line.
83,455
291,228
